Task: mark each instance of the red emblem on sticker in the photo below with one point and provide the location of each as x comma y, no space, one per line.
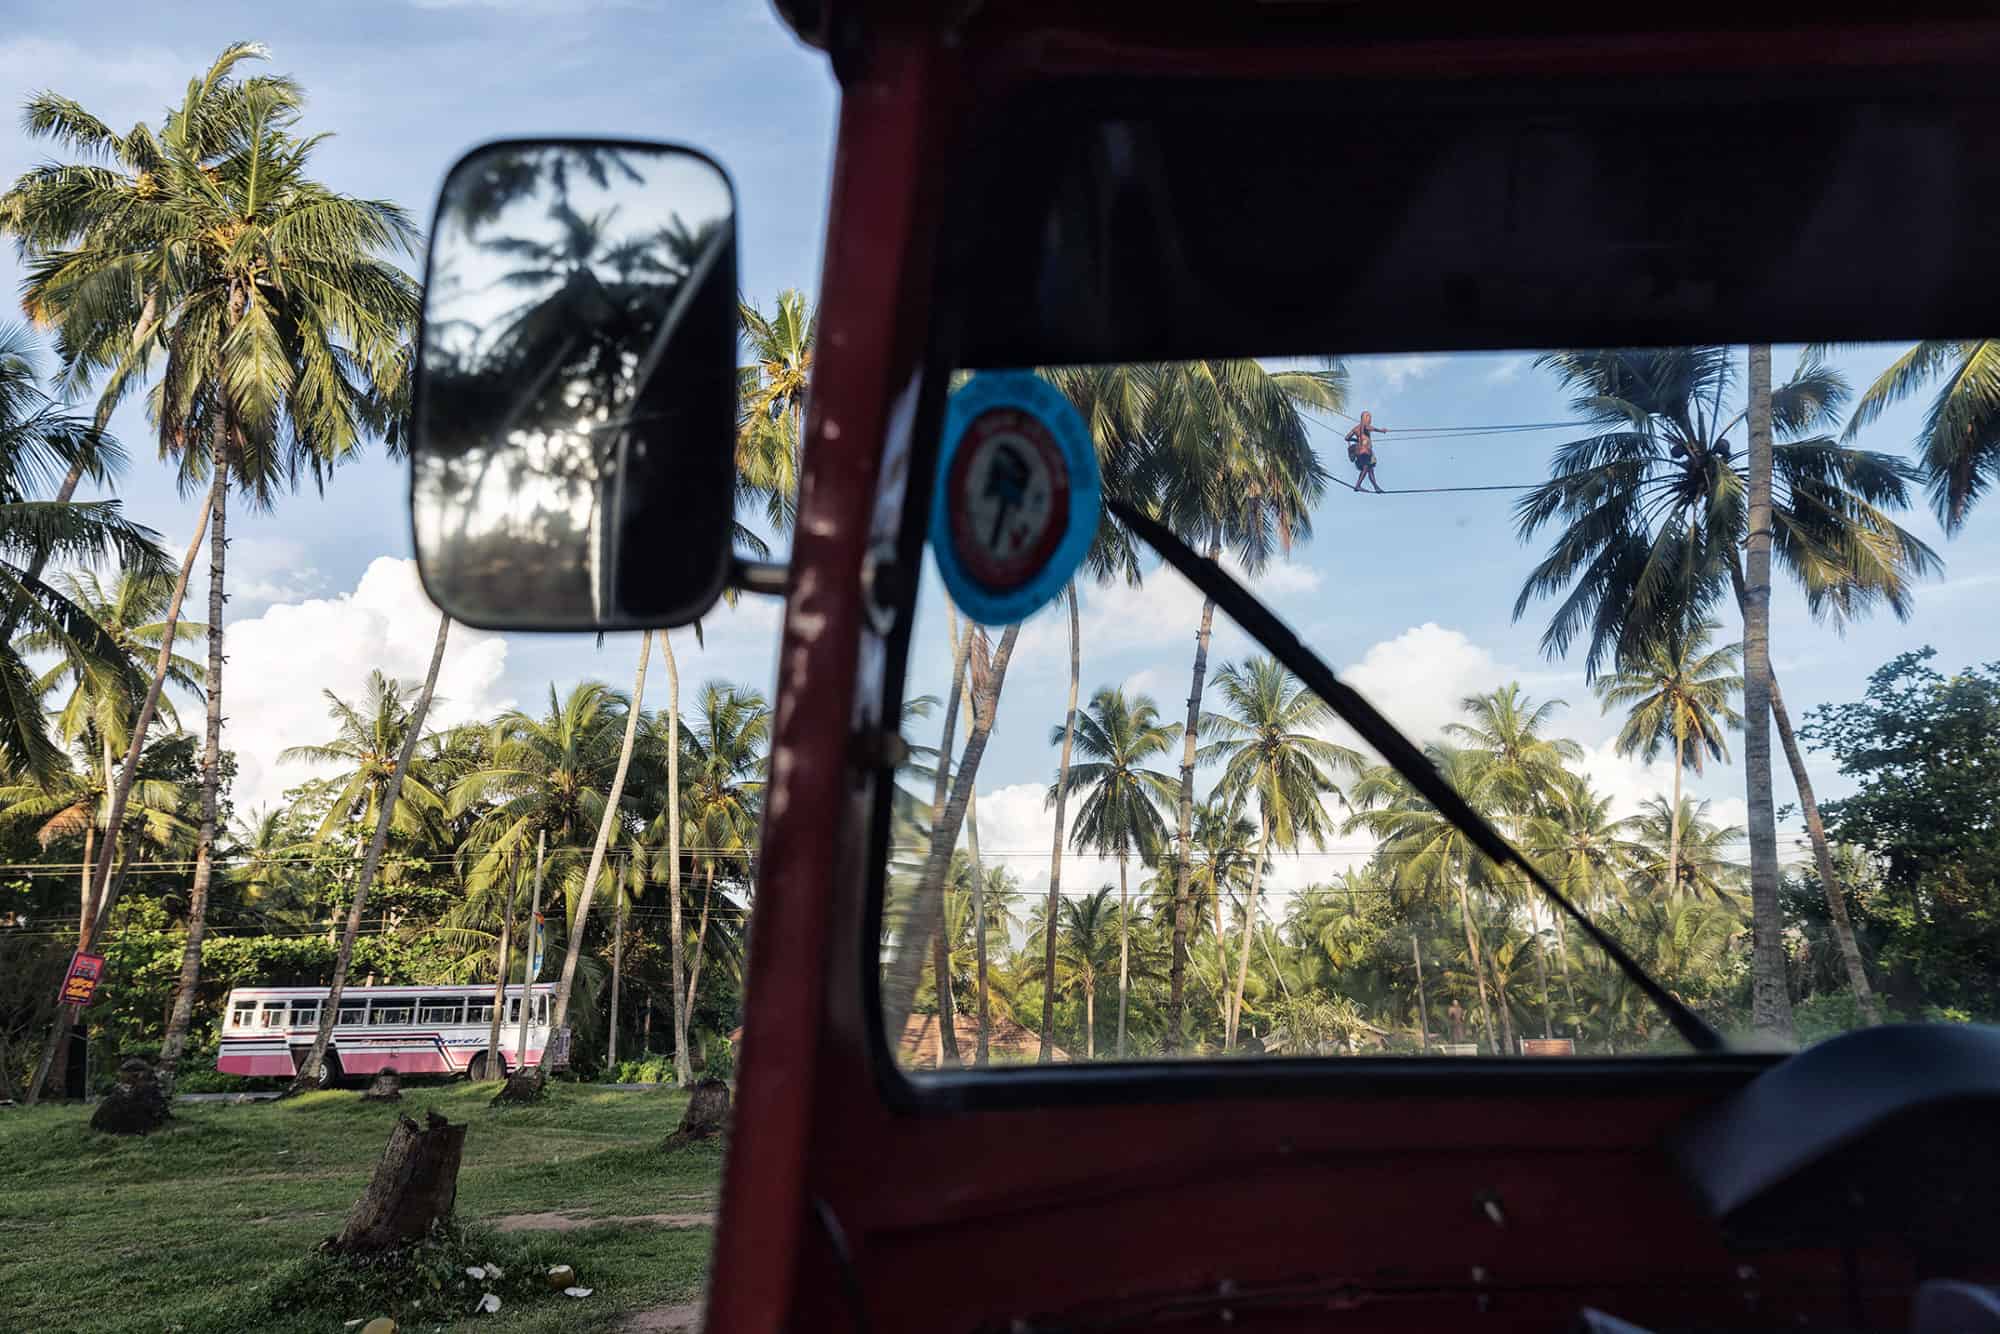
1009,498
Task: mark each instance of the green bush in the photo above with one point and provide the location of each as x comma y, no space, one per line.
645,1070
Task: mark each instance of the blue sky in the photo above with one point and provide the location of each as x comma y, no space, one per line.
1411,596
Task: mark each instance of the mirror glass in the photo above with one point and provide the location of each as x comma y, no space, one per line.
573,459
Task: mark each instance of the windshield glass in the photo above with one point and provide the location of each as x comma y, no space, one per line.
1536,565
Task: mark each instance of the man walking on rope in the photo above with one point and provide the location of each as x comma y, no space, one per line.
1361,451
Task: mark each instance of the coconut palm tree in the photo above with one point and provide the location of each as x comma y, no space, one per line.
724,770
1115,402
1426,856
926,911
1122,798
1652,508
1267,741
363,741
1677,694
37,439
1522,766
1230,467
126,611
1958,444
368,736
1705,868
1086,948
280,329
606,824
771,421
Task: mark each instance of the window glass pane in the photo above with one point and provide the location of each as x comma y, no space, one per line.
479,1012
354,1014
440,1010
513,1009
242,1014
390,1010
274,1014
305,1013
1448,532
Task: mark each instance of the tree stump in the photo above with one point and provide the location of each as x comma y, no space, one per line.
415,1186
386,1087
522,1086
707,1114
137,1106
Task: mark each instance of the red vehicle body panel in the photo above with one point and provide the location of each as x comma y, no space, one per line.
939,1220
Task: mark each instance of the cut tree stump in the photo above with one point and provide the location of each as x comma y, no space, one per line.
137,1106
707,1114
385,1087
522,1086
415,1186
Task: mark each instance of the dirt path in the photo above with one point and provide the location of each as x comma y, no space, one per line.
682,1319
562,1222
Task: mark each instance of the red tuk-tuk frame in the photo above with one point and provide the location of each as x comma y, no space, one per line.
1283,1198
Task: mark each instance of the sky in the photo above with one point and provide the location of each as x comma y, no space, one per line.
1410,597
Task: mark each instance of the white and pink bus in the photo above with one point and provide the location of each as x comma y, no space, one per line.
412,1030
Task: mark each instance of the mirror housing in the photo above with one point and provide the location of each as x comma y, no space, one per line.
573,444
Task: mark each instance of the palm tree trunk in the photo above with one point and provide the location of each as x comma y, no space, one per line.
560,1018
982,1045
105,899
1674,821
1124,956
1249,931
700,934
899,988
683,1068
617,966
940,789
371,860
1423,1010
1829,878
1542,977
1478,966
1089,1021
1176,967
1770,1003
531,964
493,1056
982,1051
175,1039
1056,856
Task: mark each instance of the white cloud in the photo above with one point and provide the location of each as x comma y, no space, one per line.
279,662
1506,370
1418,678
262,569
1395,372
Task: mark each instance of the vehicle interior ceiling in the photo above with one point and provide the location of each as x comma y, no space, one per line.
1155,221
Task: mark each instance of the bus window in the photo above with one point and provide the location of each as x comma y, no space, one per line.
513,1009
274,1014
440,1010
542,1010
355,1014
241,1014
389,1010
305,1014
479,1012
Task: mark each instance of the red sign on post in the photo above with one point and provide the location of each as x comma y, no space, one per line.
1548,1046
81,984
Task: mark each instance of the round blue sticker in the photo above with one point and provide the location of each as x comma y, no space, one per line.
1016,503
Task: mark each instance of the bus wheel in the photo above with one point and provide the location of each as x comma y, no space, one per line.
476,1068
329,1072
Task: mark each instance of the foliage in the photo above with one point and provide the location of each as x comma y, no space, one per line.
1924,751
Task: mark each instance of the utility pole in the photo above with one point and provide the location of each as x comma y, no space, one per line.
1423,1012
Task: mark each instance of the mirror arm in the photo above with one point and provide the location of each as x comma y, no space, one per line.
768,577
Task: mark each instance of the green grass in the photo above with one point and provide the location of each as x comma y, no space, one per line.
208,1227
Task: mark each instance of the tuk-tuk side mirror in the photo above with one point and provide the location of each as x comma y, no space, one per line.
573,451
